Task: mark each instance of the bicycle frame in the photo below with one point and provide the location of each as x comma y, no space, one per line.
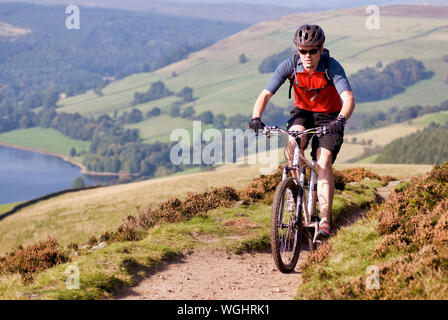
309,209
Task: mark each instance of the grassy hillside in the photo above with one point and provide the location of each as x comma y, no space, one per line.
76,216
222,85
439,118
49,140
110,44
385,135
241,229
6,207
404,238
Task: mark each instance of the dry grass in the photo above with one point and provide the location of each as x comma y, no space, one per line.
383,136
32,259
406,238
400,171
76,216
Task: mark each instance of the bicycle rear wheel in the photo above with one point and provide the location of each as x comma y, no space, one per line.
286,232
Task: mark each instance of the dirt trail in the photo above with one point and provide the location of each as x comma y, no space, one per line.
212,274
208,274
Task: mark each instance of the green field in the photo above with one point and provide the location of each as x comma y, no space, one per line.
49,140
425,120
159,128
222,84
7,206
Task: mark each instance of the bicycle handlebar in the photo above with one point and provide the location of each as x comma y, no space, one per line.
318,130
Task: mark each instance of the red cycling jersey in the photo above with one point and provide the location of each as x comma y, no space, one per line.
326,100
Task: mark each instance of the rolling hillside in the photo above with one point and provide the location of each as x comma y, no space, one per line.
41,57
380,137
222,85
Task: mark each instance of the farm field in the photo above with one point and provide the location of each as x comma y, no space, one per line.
223,85
439,118
49,140
385,135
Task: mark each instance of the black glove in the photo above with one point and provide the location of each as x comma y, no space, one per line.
336,126
256,124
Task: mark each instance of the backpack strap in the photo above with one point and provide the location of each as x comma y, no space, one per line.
293,75
326,59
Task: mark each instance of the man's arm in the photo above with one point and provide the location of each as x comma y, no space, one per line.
261,103
281,73
348,105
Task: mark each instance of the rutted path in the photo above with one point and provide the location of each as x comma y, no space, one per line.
213,274
208,274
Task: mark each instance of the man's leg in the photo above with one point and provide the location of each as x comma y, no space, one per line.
325,183
292,144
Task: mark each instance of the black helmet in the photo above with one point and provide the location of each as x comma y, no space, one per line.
309,36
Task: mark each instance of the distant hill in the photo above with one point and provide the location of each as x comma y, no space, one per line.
237,11
38,52
242,11
429,146
223,85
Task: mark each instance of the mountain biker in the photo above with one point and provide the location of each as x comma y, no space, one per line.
322,97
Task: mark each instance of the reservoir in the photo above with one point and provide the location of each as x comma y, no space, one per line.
26,175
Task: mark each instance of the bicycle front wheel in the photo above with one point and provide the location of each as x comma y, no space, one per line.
286,230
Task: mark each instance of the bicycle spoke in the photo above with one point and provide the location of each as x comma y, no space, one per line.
284,227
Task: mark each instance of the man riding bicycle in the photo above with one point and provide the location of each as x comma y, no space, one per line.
323,97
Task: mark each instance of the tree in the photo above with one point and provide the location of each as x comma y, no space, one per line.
155,92
26,120
135,116
188,112
72,152
186,93
79,183
206,117
269,64
174,110
220,121
154,112
50,99
242,58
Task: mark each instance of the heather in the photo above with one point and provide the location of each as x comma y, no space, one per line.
405,237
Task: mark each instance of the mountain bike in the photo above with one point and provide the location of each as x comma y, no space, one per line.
294,218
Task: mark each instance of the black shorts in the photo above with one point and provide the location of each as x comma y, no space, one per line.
309,119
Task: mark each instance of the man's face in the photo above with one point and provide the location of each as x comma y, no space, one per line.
310,57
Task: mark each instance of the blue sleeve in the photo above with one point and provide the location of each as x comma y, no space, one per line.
337,73
283,71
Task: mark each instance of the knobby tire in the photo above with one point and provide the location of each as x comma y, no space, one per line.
281,237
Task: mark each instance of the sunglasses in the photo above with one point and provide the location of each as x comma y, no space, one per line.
311,52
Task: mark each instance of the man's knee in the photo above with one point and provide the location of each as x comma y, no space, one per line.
291,140
325,159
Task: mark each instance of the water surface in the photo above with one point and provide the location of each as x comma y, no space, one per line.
26,175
